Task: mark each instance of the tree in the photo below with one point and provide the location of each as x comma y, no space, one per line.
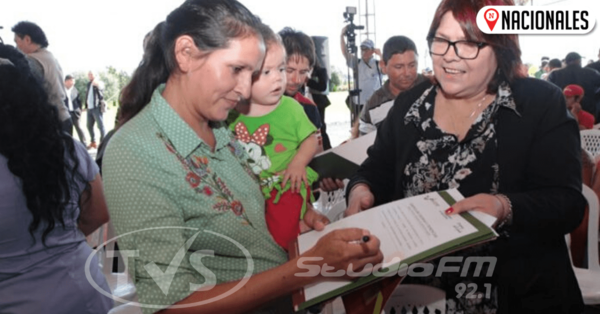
81,80
114,81
335,81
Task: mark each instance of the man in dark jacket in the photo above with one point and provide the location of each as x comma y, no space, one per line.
74,105
595,65
95,101
587,78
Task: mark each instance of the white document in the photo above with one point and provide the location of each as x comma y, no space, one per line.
379,113
405,228
354,150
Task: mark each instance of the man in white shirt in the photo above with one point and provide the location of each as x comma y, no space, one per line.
366,69
74,106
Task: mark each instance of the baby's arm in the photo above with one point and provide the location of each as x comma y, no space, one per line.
296,170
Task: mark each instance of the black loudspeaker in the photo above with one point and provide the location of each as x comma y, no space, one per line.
322,50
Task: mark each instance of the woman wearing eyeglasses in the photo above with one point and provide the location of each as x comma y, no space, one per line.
509,146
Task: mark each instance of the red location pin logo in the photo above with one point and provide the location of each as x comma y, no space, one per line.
491,17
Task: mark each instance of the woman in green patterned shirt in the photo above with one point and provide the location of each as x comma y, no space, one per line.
187,208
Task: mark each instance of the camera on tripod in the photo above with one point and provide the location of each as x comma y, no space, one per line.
353,99
351,29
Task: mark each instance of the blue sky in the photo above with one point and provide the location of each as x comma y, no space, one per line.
87,34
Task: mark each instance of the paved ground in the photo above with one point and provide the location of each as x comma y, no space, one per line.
337,118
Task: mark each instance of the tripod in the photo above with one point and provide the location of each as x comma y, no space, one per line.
354,101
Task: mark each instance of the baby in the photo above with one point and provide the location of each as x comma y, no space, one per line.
281,141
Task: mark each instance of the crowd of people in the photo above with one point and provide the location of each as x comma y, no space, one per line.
215,133
31,40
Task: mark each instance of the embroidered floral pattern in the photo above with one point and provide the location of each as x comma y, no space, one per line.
204,181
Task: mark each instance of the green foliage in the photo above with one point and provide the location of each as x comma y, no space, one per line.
113,80
81,80
335,81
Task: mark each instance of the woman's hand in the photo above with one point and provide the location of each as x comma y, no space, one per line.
313,220
296,174
330,184
344,249
486,203
360,199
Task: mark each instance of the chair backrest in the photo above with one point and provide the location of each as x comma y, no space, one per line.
96,241
592,240
590,141
333,204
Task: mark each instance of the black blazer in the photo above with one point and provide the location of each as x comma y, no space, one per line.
594,65
75,99
539,156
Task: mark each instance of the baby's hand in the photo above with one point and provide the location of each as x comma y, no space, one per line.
296,174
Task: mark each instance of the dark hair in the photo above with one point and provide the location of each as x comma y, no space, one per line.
298,43
506,47
397,44
32,30
211,24
268,35
573,58
32,140
555,63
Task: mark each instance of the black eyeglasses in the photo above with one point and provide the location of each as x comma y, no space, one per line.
464,49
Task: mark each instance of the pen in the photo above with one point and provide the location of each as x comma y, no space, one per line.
364,239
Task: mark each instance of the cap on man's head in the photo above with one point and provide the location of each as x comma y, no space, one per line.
68,77
573,90
545,61
572,56
367,43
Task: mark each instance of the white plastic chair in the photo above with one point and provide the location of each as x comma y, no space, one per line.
120,283
334,307
97,238
127,308
590,141
333,204
407,297
589,279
